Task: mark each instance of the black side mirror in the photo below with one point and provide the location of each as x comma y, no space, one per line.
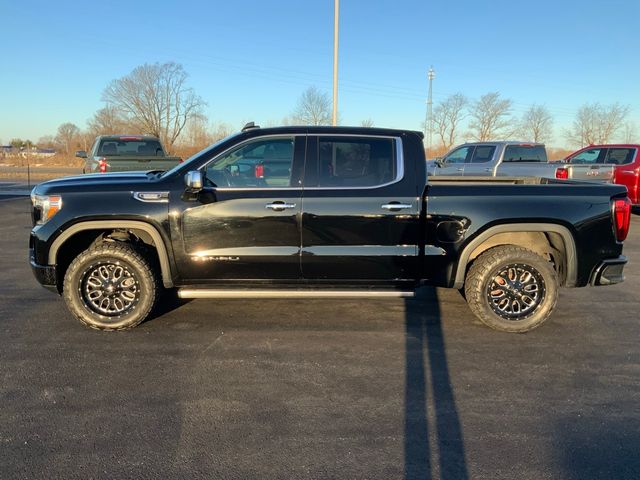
440,162
81,154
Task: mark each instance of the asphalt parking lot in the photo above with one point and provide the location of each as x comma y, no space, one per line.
317,389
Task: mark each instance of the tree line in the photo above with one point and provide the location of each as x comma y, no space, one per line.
155,99
491,117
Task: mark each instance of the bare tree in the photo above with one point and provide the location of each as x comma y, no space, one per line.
67,136
447,117
537,124
220,130
196,132
156,98
47,141
596,123
629,133
109,121
313,108
367,123
490,117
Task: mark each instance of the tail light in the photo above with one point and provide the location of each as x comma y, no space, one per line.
562,173
102,165
259,171
621,217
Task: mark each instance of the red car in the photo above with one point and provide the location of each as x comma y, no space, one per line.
624,157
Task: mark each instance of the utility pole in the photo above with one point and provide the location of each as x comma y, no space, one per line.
336,14
428,124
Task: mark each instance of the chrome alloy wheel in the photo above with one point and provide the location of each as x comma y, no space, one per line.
516,291
110,289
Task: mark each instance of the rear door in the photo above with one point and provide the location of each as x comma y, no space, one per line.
481,163
360,210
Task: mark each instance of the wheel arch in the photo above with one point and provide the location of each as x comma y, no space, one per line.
558,238
149,231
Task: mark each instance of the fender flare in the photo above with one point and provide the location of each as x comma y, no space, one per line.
163,256
567,237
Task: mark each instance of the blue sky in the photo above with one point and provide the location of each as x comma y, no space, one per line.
251,60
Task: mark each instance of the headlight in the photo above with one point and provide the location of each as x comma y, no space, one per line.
45,207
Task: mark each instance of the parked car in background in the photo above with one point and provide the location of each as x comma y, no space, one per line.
512,159
117,153
623,158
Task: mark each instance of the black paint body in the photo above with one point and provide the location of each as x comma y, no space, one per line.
332,236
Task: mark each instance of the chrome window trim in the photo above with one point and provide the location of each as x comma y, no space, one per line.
399,162
292,136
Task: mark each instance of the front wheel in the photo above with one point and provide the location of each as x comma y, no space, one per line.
511,289
110,286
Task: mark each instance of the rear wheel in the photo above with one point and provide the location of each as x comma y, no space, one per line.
110,286
511,289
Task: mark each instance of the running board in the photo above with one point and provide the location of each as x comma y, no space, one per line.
227,293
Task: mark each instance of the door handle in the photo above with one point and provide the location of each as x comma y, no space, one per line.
460,169
488,169
279,206
396,206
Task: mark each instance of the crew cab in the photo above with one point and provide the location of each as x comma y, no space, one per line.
495,159
623,158
328,212
117,153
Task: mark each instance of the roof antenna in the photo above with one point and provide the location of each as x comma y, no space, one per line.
250,126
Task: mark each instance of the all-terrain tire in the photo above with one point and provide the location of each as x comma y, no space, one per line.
511,289
111,286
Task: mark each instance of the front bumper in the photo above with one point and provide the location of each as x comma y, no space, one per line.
45,274
609,272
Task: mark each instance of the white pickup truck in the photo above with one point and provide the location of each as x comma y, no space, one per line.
512,159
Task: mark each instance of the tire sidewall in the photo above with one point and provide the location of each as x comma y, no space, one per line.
86,262
542,312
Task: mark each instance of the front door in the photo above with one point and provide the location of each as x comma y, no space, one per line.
246,223
453,164
360,211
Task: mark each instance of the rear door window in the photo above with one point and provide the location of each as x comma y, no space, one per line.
483,153
620,156
356,161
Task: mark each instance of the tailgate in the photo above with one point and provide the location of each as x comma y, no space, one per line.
590,173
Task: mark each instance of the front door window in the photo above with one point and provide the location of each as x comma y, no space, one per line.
263,163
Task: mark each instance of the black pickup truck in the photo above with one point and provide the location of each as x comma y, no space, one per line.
321,212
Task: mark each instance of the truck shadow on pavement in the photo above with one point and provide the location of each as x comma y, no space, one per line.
433,441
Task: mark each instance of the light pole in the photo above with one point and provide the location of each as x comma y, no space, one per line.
336,14
431,74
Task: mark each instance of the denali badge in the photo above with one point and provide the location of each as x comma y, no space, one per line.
198,258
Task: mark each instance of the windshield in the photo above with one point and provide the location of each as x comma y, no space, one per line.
198,155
